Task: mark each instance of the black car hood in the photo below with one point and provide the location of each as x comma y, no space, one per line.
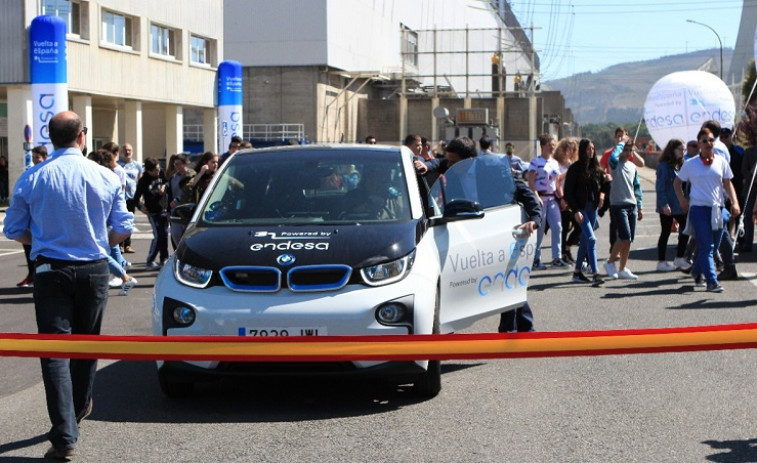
354,245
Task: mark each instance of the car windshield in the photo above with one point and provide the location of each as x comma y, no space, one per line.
307,186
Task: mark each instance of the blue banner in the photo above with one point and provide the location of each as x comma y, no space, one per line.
229,103
48,73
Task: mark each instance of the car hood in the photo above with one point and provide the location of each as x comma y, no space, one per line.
354,245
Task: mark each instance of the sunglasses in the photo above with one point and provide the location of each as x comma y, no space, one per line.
707,140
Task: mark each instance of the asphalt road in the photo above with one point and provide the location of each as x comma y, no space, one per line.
632,408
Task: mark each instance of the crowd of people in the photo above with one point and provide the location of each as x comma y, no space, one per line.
700,187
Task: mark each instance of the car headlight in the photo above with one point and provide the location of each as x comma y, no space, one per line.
190,275
388,272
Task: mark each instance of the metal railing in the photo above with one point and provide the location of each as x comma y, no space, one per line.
268,132
271,132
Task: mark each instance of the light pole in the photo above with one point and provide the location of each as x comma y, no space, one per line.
720,41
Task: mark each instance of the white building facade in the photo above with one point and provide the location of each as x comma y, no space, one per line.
133,68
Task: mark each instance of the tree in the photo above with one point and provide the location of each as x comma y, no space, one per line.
746,128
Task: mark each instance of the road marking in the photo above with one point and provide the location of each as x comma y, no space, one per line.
4,252
752,277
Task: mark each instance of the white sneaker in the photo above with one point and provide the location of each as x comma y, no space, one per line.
611,270
626,274
665,267
126,287
115,282
152,266
681,263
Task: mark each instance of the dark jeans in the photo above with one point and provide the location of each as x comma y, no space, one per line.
571,232
131,206
69,298
520,320
159,245
666,224
29,263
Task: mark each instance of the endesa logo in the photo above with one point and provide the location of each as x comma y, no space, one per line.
513,278
291,246
46,104
504,281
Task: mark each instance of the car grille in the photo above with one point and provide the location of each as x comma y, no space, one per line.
318,277
252,279
307,278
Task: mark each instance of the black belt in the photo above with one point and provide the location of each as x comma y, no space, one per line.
545,194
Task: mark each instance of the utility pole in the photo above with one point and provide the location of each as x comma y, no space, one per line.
532,98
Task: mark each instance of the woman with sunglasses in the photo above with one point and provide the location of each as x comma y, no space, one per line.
709,176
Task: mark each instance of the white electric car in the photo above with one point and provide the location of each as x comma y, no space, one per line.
341,240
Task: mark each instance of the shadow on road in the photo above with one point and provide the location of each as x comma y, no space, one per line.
16,295
740,451
10,446
128,391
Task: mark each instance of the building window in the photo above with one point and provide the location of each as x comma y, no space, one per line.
74,12
200,50
117,29
164,41
409,45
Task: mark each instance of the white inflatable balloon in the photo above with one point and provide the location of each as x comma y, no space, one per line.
680,102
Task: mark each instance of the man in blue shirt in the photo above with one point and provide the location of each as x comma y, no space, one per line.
64,208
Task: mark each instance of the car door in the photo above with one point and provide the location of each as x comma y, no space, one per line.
485,261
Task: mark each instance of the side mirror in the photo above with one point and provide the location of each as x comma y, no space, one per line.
460,209
180,215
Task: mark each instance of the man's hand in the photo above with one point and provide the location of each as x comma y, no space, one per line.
420,168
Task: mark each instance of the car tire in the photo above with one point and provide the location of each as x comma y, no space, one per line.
173,387
429,383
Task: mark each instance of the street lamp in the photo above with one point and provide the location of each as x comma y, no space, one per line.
716,35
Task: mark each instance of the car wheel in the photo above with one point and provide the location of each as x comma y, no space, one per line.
173,387
430,382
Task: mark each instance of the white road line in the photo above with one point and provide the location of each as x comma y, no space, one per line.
752,277
4,252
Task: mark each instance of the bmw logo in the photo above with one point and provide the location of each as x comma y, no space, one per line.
285,259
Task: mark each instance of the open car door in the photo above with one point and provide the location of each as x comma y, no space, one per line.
485,259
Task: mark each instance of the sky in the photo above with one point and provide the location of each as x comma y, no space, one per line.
574,36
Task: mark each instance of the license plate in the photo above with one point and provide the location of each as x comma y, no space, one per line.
286,331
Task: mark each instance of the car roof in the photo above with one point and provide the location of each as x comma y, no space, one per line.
322,147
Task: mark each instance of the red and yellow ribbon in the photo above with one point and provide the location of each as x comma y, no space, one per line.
409,347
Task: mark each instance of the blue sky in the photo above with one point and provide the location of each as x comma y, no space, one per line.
589,35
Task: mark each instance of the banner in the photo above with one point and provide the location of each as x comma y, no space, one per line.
377,348
680,102
48,74
229,103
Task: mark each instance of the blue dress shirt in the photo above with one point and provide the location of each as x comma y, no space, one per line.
67,203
